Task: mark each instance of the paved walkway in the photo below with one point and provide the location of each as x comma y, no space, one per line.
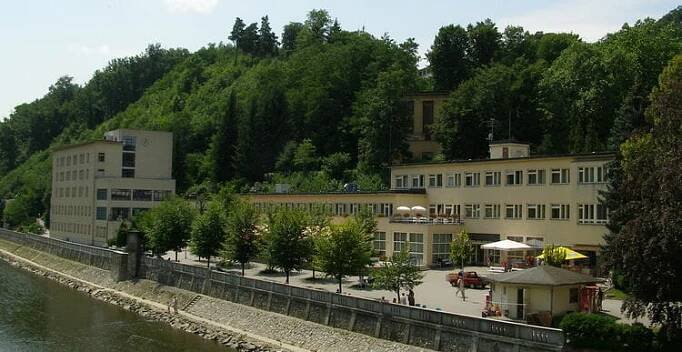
434,292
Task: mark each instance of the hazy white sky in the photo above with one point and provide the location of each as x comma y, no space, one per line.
43,40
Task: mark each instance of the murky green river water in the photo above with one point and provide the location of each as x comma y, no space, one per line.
37,314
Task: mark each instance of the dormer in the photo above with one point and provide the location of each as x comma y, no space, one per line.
506,149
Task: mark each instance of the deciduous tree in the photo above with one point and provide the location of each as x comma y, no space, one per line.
398,273
343,250
243,236
208,233
289,246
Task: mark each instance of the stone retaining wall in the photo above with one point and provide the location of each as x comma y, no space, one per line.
426,328
115,262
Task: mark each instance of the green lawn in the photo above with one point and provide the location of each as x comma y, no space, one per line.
615,293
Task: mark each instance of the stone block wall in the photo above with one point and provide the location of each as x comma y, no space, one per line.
426,328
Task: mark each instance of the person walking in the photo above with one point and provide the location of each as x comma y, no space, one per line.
403,299
410,298
174,304
460,288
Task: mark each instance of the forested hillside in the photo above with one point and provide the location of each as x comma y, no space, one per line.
318,106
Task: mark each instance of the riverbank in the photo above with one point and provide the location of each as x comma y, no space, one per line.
237,326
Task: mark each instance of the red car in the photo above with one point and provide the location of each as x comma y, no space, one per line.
471,279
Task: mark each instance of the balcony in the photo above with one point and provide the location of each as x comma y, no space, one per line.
435,220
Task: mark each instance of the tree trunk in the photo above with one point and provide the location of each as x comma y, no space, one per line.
398,294
313,273
340,287
208,262
176,256
287,274
243,268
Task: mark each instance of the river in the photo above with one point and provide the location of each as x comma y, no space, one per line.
37,314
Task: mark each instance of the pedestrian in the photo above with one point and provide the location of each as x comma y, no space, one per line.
395,300
600,298
168,305
174,303
403,299
410,298
460,288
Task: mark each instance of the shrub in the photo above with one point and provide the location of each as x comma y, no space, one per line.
636,337
590,330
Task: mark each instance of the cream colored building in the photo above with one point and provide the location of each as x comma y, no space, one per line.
97,185
512,195
426,108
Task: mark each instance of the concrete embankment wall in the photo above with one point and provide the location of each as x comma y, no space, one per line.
427,328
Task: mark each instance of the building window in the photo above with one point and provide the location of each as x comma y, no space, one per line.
453,180
81,158
399,241
417,248
101,213
536,177
514,178
100,157
452,210
592,174
535,211
129,143
436,180
340,209
380,243
401,181
142,195
128,173
560,176
573,295
118,214
472,179
513,211
440,249
491,211
560,212
161,195
128,159
493,178
472,211
120,194
386,209
592,214
417,181
427,118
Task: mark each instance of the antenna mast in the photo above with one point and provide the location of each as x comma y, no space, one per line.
491,124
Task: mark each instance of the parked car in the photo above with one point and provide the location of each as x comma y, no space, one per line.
471,279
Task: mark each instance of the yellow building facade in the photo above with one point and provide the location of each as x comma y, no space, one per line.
97,185
513,195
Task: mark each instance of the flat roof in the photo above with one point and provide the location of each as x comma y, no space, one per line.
70,146
397,191
599,156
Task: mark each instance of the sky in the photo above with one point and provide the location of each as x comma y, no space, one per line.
42,40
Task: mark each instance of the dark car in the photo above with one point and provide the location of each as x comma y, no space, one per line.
471,279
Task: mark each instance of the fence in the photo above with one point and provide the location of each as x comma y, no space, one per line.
263,293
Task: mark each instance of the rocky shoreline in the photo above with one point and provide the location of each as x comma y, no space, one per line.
225,338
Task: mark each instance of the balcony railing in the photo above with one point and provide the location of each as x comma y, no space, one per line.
435,220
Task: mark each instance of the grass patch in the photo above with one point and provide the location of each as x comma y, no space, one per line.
615,293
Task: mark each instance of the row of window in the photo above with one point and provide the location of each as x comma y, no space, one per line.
587,213
558,176
81,229
138,195
72,192
117,213
336,209
76,159
73,175
71,210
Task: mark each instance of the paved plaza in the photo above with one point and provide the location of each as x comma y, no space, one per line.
435,292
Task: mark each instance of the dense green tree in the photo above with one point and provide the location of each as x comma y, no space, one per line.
398,273
208,233
343,250
305,157
243,237
335,165
461,248
267,40
484,42
237,32
169,226
290,35
249,40
551,45
223,142
289,247
448,57
644,242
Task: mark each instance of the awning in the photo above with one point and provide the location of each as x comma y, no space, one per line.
570,254
506,245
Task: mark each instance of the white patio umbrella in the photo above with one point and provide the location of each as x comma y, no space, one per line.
506,245
403,209
418,209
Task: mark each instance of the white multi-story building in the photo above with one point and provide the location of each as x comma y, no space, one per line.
97,185
511,195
